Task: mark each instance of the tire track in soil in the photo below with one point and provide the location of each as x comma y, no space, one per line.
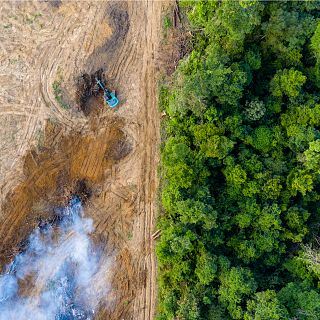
136,73
123,201
145,306
40,47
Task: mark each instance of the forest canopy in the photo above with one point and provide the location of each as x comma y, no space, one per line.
240,165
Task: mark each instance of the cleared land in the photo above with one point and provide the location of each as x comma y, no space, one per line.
52,145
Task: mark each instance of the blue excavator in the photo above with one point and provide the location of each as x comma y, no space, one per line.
109,96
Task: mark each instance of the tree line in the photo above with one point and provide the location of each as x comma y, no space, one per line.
240,165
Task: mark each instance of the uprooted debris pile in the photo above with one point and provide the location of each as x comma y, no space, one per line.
87,88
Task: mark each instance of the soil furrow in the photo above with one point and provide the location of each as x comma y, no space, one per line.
52,151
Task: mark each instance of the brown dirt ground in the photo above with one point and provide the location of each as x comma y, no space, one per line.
108,157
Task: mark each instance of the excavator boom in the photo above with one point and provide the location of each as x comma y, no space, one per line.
109,96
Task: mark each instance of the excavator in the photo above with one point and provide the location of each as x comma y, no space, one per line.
109,96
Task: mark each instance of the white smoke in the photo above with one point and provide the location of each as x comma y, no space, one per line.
61,275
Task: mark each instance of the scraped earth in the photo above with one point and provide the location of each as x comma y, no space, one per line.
59,139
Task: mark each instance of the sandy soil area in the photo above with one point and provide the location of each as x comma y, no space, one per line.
53,146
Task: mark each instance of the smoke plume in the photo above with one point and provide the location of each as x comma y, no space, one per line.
60,275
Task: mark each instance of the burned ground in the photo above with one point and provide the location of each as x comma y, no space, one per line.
88,92
67,164
74,164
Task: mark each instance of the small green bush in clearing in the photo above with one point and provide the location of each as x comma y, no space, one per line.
57,90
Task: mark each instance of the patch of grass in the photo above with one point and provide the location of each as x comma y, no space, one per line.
40,139
163,97
12,16
166,25
167,22
30,19
58,93
13,61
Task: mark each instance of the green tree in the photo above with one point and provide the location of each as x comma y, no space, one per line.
315,43
188,307
196,212
265,306
211,141
262,139
206,269
287,82
295,219
311,258
168,304
235,178
312,156
271,188
255,110
301,301
177,159
286,32
300,180
235,20
236,284
253,58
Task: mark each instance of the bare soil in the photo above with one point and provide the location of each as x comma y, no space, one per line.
51,150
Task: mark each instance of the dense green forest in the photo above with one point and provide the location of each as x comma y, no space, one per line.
240,165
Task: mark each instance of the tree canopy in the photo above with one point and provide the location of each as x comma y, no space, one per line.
240,165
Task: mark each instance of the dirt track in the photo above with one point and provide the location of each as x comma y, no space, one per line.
110,157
